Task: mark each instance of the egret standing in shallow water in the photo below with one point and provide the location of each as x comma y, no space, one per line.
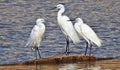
87,33
66,27
36,36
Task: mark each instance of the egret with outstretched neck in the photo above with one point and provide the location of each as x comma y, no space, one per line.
66,27
36,36
87,33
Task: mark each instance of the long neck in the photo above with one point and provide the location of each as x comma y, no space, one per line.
61,11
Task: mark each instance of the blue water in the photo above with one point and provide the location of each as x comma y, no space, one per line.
18,17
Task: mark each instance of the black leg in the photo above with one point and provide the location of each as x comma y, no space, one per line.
38,52
67,46
36,59
90,49
86,48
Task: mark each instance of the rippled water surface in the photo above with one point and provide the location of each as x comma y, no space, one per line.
17,17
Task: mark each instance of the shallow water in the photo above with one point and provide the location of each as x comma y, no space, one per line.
18,17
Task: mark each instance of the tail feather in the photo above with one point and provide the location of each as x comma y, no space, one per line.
27,44
98,42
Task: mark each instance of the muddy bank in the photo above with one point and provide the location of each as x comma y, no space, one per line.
76,62
111,64
56,60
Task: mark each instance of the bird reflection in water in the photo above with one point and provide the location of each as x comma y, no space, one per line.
68,67
92,68
79,67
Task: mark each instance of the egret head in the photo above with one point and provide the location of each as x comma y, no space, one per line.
79,20
59,6
40,20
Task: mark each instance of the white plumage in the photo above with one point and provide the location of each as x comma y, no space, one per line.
87,33
36,34
66,25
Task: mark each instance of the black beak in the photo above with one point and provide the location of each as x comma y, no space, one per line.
72,20
53,8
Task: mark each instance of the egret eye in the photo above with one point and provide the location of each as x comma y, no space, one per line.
58,7
43,20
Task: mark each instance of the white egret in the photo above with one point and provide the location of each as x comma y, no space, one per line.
66,27
87,33
36,36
